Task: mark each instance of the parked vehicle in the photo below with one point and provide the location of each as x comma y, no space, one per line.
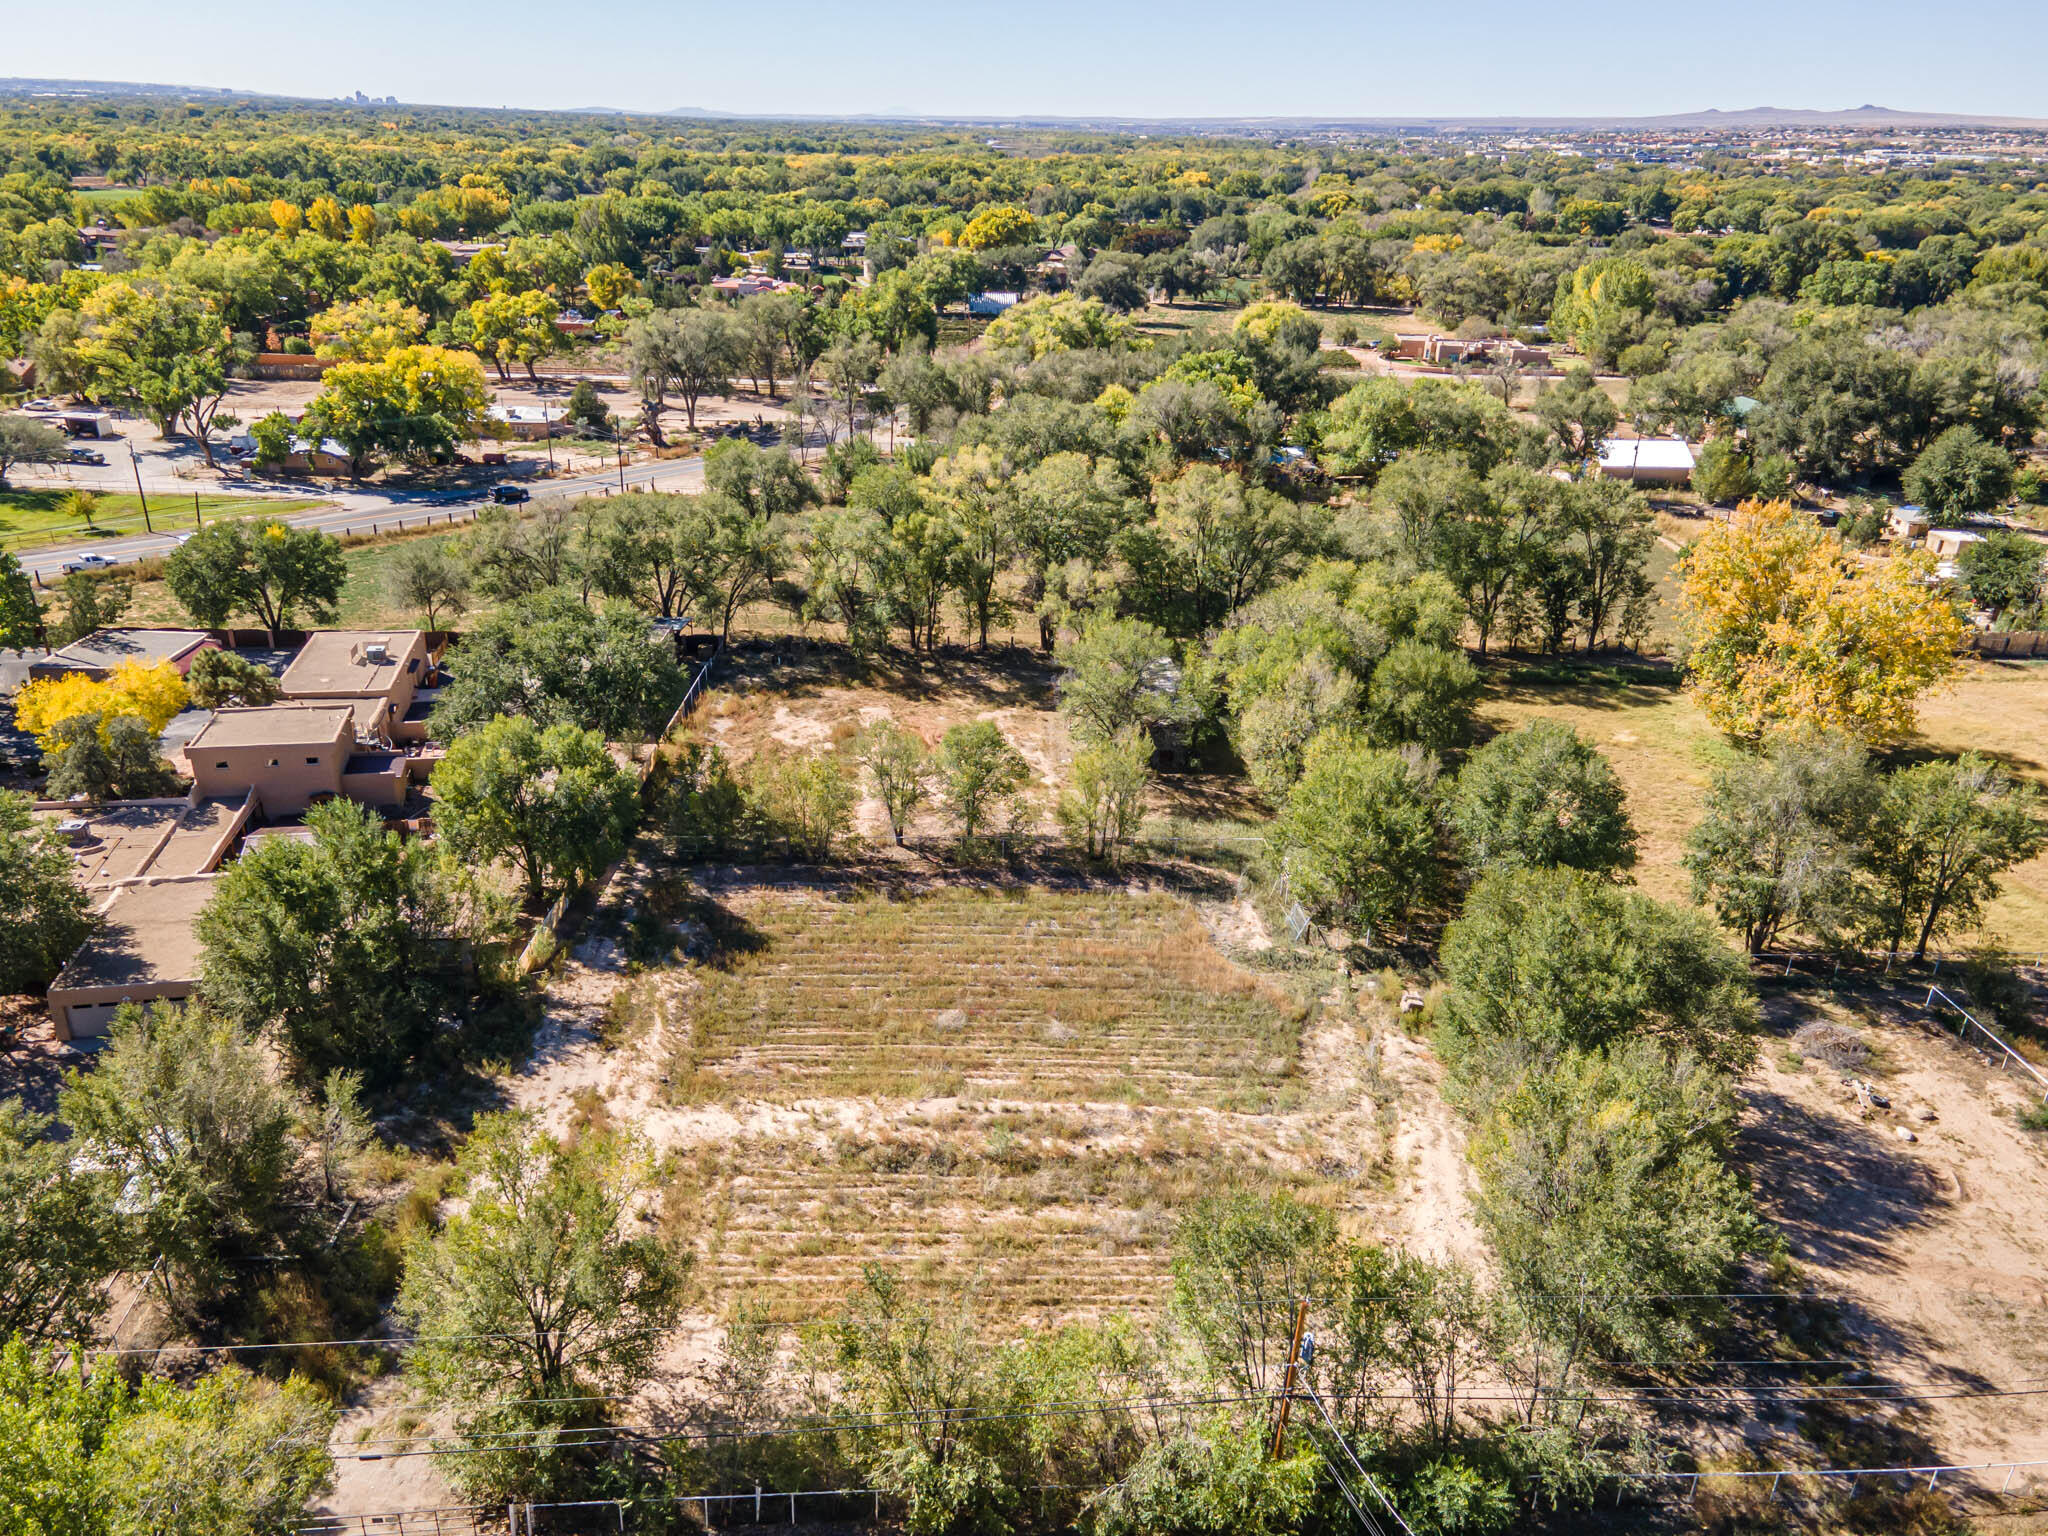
85,456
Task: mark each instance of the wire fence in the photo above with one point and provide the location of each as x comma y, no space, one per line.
2008,1058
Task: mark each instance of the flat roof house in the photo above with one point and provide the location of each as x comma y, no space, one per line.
1647,460
144,951
375,672
288,756
104,649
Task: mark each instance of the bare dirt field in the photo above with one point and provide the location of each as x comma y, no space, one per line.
1923,1215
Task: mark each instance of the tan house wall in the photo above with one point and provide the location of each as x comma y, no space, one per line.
286,778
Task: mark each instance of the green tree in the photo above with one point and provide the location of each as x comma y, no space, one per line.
1422,696
1577,414
1778,843
162,347
218,678
56,1240
507,328
691,352
98,758
1121,673
93,600
1544,961
24,440
900,767
544,1289
84,1454
808,796
1603,1181
195,1137
49,913
1361,836
1104,804
418,404
262,567
549,799
1722,473
21,616
2004,572
336,944
1941,836
1544,798
1958,474
553,660
428,579
979,771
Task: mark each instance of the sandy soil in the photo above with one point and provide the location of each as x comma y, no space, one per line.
1936,1243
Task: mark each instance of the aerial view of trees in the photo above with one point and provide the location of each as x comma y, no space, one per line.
1110,880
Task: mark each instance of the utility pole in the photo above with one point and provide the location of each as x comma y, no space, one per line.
1287,1387
136,465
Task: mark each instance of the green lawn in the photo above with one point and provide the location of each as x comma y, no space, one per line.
30,519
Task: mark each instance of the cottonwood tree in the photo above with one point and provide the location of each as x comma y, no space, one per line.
1542,797
1941,836
690,352
21,616
262,567
543,1290
49,912
105,757
428,579
1103,803
1119,673
1361,834
336,945
93,600
190,1129
1779,839
900,767
2004,572
979,771
1788,631
550,799
809,797
56,1239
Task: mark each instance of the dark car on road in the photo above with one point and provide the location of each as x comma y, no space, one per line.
510,495
85,456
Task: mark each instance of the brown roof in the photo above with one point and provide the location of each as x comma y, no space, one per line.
159,838
336,661
104,649
276,725
145,937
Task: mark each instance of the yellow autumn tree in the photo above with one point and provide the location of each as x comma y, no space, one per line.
1788,629
153,693
998,226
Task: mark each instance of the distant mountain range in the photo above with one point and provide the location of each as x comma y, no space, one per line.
1747,119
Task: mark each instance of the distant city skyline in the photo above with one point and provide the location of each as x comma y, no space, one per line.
1063,58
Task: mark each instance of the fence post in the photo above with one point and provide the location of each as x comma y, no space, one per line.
622,1517
792,1508
512,1517
1776,1478
757,1503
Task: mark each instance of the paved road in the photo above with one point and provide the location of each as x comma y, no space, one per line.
364,511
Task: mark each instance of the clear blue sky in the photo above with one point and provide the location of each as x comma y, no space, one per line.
1072,57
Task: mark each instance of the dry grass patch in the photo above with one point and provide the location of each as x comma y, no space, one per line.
1041,1212
1665,751
1105,996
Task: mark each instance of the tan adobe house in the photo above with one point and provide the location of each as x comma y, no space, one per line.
126,841
290,757
144,951
376,673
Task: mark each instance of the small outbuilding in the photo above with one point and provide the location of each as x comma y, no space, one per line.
1647,460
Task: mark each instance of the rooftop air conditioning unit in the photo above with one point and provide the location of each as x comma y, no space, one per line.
376,654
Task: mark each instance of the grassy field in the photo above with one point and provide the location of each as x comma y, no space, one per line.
1011,995
1665,751
1018,1091
31,519
366,601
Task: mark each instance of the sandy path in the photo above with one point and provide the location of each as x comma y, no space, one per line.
1938,1242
